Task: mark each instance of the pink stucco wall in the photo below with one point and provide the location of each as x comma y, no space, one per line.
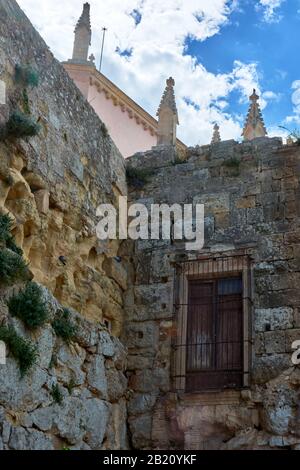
128,136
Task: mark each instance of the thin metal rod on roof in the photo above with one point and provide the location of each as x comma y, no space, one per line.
102,47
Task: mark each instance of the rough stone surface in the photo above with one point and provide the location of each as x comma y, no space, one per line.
251,197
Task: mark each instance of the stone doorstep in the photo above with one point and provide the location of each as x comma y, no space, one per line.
227,397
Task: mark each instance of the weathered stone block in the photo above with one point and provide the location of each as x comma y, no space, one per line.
42,201
142,335
246,202
280,318
214,202
116,271
142,403
96,419
266,368
140,428
2,92
106,345
275,342
34,440
96,375
116,385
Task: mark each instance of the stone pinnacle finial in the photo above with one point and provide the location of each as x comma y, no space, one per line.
254,126
168,98
83,35
167,116
216,135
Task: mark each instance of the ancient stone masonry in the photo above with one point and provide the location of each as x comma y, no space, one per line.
51,185
124,378
251,197
89,377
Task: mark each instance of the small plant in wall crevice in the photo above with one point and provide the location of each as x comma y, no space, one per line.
23,350
26,76
29,306
57,394
12,266
64,326
233,164
20,125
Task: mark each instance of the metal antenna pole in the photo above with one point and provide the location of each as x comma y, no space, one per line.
103,39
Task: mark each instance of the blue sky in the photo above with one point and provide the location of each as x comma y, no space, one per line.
216,50
271,44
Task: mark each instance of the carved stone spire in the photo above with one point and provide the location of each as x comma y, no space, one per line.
83,35
254,126
216,135
167,116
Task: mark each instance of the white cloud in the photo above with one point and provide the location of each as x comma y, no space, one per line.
157,43
295,118
270,10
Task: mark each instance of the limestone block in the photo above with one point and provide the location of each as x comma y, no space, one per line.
142,403
245,439
275,342
42,418
45,346
42,201
28,394
96,415
2,92
290,337
152,302
22,439
140,428
70,362
138,362
160,266
213,202
96,376
116,271
276,420
67,419
142,335
266,368
117,438
35,181
6,431
116,384
106,345
120,356
246,202
280,318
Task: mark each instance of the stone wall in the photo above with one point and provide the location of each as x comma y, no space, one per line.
51,185
89,374
251,197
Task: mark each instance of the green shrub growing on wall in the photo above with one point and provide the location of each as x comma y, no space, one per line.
12,268
21,349
29,306
63,325
25,75
234,166
137,177
21,125
56,394
6,238
5,228
104,130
